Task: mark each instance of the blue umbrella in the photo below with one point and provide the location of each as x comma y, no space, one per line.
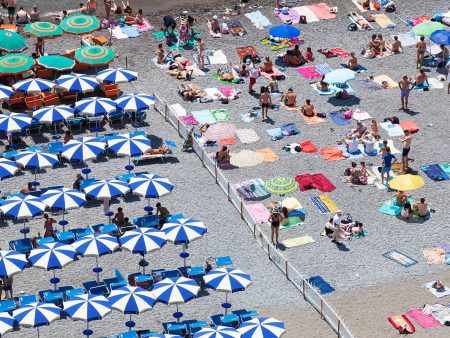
117,75
5,92
107,189
6,323
11,262
441,37
53,114
33,85
83,148
87,307
135,102
262,328
78,83
7,168
217,332
95,106
284,32
13,122
37,314
339,76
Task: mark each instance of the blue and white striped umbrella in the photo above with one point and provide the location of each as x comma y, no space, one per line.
184,230
36,159
53,114
129,144
79,83
117,75
165,335
37,314
87,307
22,207
13,122
33,85
131,300
6,323
135,102
175,290
63,198
95,106
227,279
95,245
217,332
7,168
107,189
83,148
142,240
11,262
5,92
262,328
52,256
150,186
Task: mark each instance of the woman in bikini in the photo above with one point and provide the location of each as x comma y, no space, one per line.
275,221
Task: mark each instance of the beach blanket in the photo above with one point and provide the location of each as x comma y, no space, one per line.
275,45
319,204
332,154
229,141
144,26
276,133
412,126
330,91
369,84
314,181
290,243
9,27
446,168
308,147
178,110
228,91
247,135
275,72
321,11
290,222
407,39
236,28
361,115
338,118
328,203
434,255
415,21
130,31
360,69
400,258
339,52
291,16
321,284
245,51
214,94
258,19
402,324
435,172
323,68
217,77
204,116
390,83
259,212
393,130
390,209
435,83
313,119
216,57
206,58
117,33
188,120
437,293
290,108
439,312
390,144
352,156
307,12
383,20
290,128
220,115
426,321
269,155
252,190
309,72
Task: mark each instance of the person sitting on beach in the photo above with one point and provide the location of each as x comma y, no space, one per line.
29,187
401,198
290,59
77,184
22,17
48,226
214,24
308,109
364,172
181,72
162,150
374,128
243,72
407,210
138,19
83,9
360,130
161,54
421,207
442,56
365,4
352,62
190,92
369,143
289,99
381,42
273,84
67,136
223,156
396,46
374,47
61,17
356,229
309,55
322,85
267,66
421,79
162,213
35,15
119,217
352,144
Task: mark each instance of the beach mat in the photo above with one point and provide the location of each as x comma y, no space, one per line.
293,242
402,324
258,19
381,78
435,172
229,141
269,155
220,115
259,212
309,72
323,68
235,27
369,84
400,258
383,20
275,72
393,130
291,16
217,57
338,118
144,26
252,190
360,69
247,135
307,12
434,255
407,39
308,147
332,154
361,115
321,284
204,116
424,320
339,52
390,209
290,222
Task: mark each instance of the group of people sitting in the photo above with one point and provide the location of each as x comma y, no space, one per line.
294,57
419,208
357,175
378,45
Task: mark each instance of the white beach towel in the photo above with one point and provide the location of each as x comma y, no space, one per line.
247,135
160,65
178,109
430,288
407,39
361,115
435,83
304,10
214,93
117,33
393,130
258,19
217,57
390,144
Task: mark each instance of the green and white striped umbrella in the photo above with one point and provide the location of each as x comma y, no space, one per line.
15,64
281,185
94,55
44,29
12,42
56,62
78,24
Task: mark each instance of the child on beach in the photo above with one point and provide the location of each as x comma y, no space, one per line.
309,55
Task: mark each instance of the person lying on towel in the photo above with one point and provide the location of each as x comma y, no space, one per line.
162,150
225,74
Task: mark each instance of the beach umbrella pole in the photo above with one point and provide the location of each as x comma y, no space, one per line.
24,230
97,270
130,324
63,222
129,167
87,332
226,305
55,280
184,254
177,315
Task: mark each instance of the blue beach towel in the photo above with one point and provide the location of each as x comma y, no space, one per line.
392,210
323,68
321,284
360,68
258,19
338,118
130,31
204,116
290,128
435,172
351,156
446,168
317,202
422,87
275,133
349,89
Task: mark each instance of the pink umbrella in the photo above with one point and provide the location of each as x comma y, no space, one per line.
220,131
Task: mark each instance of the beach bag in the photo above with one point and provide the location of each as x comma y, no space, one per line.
394,120
345,94
302,19
348,114
322,115
352,27
390,7
347,219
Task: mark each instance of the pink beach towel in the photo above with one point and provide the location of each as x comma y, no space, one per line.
259,212
275,72
145,26
226,141
226,90
339,52
321,11
188,120
425,321
309,72
292,15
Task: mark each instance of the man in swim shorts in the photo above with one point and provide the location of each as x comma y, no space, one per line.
406,140
405,86
386,165
421,48
11,5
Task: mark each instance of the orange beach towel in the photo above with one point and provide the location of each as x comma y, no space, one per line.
332,154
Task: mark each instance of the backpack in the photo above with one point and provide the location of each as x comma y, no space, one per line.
352,27
302,19
390,7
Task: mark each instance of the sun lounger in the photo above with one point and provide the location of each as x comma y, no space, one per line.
8,305
197,326
28,299
149,221
22,245
45,240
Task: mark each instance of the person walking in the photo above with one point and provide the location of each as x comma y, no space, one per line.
254,74
386,165
108,4
406,140
337,228
11,6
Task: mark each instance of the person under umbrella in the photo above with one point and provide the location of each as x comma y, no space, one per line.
129,145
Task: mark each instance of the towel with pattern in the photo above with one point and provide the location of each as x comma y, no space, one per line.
323,68
338,118
402,324
188,120
291,16
340,53
434,255
247,135
220,115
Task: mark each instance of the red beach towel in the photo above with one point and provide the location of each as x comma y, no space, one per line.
315,181
308,147
412,126
402,324
339,52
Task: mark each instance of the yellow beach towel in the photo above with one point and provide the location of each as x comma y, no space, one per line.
269,155
329,203
292,242
383,20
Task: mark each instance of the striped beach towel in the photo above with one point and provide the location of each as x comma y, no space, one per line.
328,203
249,194
402,324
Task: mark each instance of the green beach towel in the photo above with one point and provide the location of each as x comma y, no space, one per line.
446,168
292,222
220,115
392,210
267,42
217,77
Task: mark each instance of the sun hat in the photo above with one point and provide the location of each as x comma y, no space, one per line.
215,17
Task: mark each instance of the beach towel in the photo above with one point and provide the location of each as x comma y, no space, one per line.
347,88
318,203
188,120
247,135
332,154
245,51
338,118
393,130
351,156
276,134
144,26
313,119
292,242
309,72
415,21
435,83
390,209
323,68
381,78
252,190
434,255
359,21
161,65
369,84
291,203
290,108
229,141
412,126
307,12
220,115
424,320
204,116
390,144
258,19
383,20
259,212
291,16
407,39
178,110
308,147
275,72
446,168
321,11
269,155
217,77
435,172
402,324
275,45
117,33
195,58
9,27
361,115
421,88
360,69
228,91
289,129
321,284
329,203
339,52
130,31
314,181
400,258
214,94
330,91
236,28
216,57
250,116
290,222
437,293
361,9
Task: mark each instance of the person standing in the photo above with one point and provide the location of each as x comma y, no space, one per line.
254,74
421,47
162,213
337,227
405,86
265,101
275,221
83,8
92,7
108,4
386,165
406,140
11,5
200,53
48,226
